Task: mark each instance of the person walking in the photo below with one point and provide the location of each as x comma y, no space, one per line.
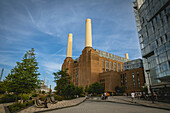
105,95
133,96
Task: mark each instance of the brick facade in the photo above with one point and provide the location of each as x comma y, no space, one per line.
92,68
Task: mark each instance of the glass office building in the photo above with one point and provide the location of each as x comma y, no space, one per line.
153,26
133,64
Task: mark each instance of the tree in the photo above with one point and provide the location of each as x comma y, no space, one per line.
2,88
86,89
79,91
23,78
96,88
62,79
69,91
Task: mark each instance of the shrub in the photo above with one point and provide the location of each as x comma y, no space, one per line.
17,106
82,95
8,98
42,98
25,96
57,97
29,103
34,95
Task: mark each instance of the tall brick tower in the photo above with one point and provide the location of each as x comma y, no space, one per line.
69,62
88,60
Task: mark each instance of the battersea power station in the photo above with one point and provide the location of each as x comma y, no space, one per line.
98,66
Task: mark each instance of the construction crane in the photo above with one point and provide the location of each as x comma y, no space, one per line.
1,73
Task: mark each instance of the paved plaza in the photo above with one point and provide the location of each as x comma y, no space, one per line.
113,104
106,107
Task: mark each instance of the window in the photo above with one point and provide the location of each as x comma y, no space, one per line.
138,79
126,81
133,77
121,79
76,82
122,67
103,65
115,66
107,65
118,67
111,65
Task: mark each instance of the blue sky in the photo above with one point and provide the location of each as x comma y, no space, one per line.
44,25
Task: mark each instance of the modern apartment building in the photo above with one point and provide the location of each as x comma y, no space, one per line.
153,26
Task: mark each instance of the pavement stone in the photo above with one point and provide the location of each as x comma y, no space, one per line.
139,102
2,108
107,107
58,105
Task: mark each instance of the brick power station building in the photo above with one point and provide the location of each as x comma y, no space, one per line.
110,70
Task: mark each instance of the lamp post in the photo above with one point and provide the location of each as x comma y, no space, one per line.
152,98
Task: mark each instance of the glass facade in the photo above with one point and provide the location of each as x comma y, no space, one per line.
133,64
111,56
153,24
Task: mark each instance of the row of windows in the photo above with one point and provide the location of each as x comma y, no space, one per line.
120,66
111,56
123,78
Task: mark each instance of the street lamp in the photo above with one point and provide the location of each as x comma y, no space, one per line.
148,73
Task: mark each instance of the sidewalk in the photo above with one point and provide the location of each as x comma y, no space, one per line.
2,109
139,102
58,105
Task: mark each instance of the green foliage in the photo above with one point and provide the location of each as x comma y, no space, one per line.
39,91
62,79
86,89
96,88
59,98
79,91
17,106
24,76
69,91
64,86
8,98
119,89
25,96
82,95
2,88
34,95
42,98
43,92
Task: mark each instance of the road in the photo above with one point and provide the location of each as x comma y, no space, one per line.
106,107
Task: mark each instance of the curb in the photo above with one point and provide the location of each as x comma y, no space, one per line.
136,104
60,107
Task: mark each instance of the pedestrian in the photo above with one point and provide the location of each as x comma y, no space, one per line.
133,96
105,94
45,103
102,97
